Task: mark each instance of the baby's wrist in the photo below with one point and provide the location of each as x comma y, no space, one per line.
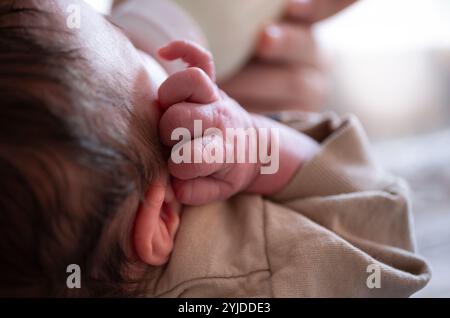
291,149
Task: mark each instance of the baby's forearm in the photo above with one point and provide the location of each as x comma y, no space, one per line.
295,149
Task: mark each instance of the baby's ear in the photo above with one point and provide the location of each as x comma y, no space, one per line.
154,227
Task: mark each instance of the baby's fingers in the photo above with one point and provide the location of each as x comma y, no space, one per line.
191,53
193,118
191,85
193,164
199,157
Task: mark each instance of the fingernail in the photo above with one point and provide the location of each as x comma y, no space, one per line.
274,32
272,40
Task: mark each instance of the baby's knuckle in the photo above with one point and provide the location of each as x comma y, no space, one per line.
196,73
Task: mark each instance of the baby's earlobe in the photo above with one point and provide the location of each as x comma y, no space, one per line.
153,231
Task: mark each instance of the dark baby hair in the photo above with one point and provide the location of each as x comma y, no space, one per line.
66,176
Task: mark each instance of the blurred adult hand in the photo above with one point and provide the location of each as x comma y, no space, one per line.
287,72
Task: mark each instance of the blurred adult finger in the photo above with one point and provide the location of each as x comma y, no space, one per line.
310,11
289,43
263,87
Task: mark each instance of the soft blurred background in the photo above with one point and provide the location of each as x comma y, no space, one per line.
390,65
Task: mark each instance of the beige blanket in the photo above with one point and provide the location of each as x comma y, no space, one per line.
341,228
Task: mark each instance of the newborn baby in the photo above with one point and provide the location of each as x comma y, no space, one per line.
86,133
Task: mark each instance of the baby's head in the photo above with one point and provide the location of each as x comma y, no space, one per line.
83,179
